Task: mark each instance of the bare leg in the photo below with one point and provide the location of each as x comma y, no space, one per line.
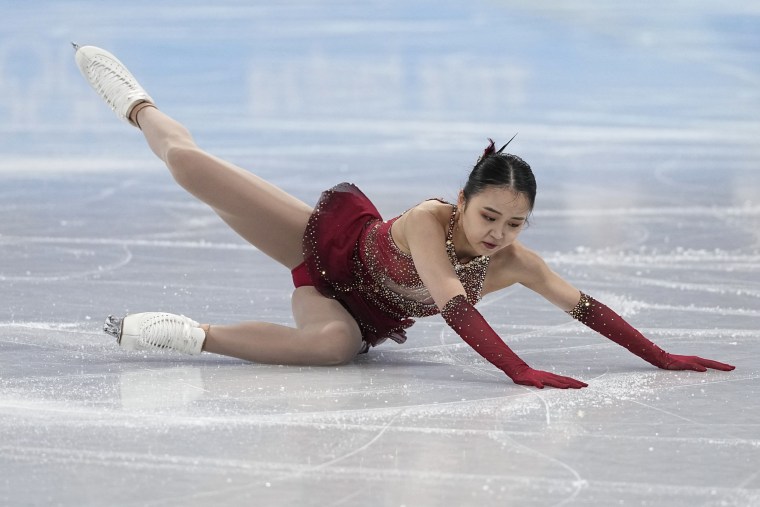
274,222
263,214
326,335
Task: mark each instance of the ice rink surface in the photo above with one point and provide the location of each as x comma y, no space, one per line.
641,121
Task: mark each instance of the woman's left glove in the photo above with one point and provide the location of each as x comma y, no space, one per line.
605,321
695,363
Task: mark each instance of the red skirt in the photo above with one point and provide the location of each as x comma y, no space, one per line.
331,264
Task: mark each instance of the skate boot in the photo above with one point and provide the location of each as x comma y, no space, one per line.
155,330
111,79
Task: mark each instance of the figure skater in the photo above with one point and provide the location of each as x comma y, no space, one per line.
360,280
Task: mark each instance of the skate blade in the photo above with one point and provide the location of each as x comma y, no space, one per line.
112,326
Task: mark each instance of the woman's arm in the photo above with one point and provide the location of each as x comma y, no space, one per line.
425,236
422,232
605,321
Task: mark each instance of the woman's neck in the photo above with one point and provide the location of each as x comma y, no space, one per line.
465,252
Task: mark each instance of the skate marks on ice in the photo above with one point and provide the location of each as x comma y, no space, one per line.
644,147
357,421
427,416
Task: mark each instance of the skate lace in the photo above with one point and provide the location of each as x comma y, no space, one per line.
110,80
166,331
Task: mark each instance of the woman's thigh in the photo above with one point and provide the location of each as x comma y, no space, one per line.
261,213
327,322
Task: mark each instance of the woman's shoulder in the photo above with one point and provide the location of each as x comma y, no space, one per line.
421,217
436,204
440,211
514,264
518,256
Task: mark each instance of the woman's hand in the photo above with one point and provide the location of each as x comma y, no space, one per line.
676,362
538,378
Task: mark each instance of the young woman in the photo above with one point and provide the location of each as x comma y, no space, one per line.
360,280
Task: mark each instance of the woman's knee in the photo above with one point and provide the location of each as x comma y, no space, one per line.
336,343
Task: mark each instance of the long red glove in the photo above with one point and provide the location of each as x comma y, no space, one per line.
600,318
473,328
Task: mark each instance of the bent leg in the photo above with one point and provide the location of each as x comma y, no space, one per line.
263,214
326,334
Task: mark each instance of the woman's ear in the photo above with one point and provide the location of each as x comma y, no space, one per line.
460,200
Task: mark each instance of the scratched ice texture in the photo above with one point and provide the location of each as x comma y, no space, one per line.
641,120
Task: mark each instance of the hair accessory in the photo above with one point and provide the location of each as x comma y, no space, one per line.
491,149
502,148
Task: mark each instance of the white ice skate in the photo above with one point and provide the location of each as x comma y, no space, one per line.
156,330
111,79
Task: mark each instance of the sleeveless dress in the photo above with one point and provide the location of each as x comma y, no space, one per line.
350,256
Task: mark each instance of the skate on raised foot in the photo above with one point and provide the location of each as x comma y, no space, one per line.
111,79
156,330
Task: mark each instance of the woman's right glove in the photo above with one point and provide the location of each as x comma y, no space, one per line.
470,325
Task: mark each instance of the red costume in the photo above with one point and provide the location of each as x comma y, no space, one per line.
350,256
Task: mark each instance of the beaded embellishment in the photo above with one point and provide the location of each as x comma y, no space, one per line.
472,274
580,309
397,287
377,282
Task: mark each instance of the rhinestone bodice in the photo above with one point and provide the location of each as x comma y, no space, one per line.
395,284
350,256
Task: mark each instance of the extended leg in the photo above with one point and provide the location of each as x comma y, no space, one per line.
267,217
263,214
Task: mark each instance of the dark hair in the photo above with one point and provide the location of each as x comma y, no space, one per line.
498,169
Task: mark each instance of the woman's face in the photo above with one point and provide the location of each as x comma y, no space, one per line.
492,219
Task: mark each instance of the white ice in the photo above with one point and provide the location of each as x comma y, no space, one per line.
641,121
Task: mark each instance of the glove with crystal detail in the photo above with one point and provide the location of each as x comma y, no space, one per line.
470,325
605,321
